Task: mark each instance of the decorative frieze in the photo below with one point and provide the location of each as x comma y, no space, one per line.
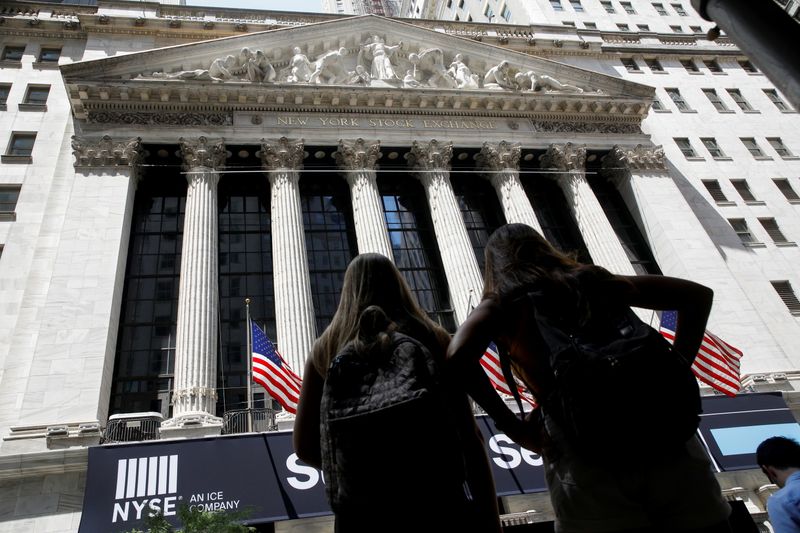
105,152
161,119
581,126
202,152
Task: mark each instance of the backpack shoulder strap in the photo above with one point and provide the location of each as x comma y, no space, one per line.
508,375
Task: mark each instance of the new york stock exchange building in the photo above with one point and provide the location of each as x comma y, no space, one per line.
166,164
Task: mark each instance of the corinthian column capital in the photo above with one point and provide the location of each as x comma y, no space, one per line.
639,158
358,154
105,152
432,155
565,157
282,154
499,156
202,152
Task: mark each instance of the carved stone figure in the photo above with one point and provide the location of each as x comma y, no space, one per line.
300,68
221,67
381,55
359,76
259,69
410,80
328,68
429,68
530,81
462,74
497,78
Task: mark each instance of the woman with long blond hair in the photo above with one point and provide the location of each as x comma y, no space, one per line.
667,493
375,295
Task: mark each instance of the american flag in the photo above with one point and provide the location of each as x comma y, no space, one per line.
490,361
271,371
717,362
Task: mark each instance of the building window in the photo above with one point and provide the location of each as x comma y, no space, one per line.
677,98
487,12
21,144
37,95
568,23
556,5
743,104
505,13
608,7
712,65
660,9
776,99
460,4
630,65
623,27
752,146
784,290
13,53
576,5
685,147
747,66
785,187
679,10
690,66
654,64
658,105
695,29
713,148
49,55
590,25
739,225
744,191
715,190
449,4
772,229
9,194
676,29
643,27
479,209
715,100
628,7
778,146
5,88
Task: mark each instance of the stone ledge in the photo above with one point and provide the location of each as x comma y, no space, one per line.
43,463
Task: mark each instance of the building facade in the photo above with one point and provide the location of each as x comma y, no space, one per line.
163,164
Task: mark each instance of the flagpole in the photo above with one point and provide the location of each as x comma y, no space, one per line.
249,367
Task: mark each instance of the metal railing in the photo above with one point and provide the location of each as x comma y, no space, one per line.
240,420
132,427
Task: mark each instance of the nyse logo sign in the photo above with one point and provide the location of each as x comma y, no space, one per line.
145,483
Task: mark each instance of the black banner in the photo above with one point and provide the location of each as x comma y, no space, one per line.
260,474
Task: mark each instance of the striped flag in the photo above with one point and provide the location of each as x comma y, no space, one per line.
490,361
717,362
271,371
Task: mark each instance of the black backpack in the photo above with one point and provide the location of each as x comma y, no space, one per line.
388,436
619,389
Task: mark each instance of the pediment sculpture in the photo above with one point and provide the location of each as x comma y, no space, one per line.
376,64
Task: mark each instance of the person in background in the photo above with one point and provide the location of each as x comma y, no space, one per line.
779,459
373,280
677,493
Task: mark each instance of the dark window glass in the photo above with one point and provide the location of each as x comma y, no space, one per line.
13,53
633,242
4,90
9,194
245,271
480,209
416,253
330,239
554,215
49,55
21,144
143,371
37,95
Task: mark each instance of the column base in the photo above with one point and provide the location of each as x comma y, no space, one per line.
191,425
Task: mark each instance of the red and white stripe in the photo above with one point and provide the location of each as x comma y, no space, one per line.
490,361
279,381
717,363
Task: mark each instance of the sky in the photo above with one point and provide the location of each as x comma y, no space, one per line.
306,6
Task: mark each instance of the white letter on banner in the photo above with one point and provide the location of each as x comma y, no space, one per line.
294,466
514,458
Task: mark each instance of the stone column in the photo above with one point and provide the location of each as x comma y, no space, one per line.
600,238
431,161
294,308
358,159
194,399
500,163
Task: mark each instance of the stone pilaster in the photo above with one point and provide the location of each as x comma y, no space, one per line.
358,160
294,308
500,163
194,397
600,238
431,162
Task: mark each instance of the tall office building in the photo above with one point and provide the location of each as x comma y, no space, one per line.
164,163
386,8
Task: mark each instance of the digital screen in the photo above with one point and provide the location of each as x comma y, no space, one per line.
745,439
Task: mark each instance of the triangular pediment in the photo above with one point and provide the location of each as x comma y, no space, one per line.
366,61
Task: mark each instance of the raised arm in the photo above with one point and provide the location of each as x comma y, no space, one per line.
306,425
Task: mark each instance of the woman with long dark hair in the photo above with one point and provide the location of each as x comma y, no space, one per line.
670,494
374,294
